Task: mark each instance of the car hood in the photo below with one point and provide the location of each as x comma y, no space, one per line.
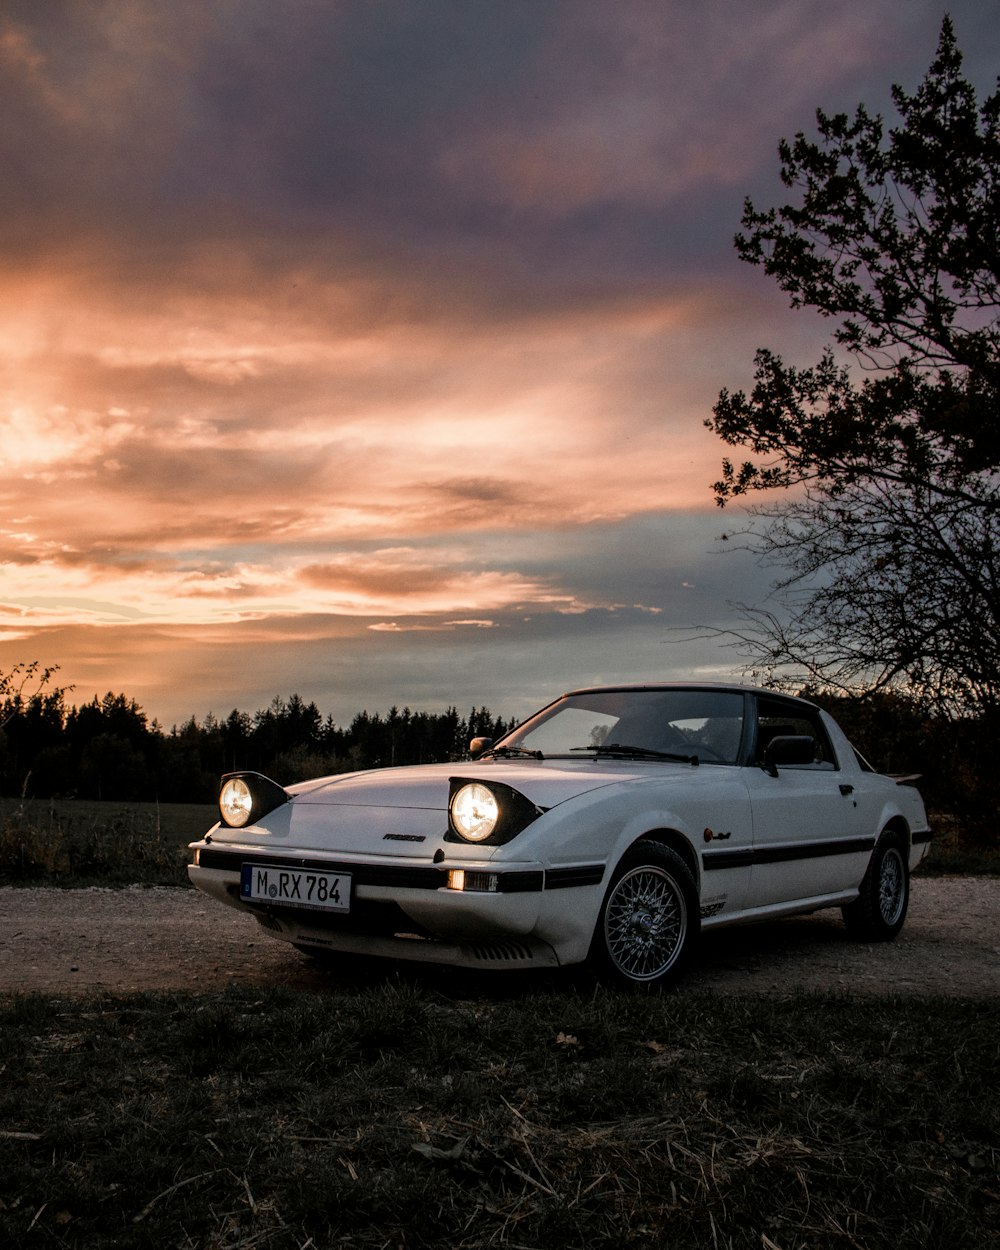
426,786
402,812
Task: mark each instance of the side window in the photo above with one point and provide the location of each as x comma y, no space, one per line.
777,719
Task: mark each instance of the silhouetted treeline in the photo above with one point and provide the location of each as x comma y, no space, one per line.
107,749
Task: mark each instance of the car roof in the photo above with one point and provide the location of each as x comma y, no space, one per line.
730,686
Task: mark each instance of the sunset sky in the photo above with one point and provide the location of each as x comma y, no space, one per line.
362,348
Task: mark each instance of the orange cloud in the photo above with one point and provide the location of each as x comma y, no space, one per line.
304,343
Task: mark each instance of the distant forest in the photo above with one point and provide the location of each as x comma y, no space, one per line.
108,749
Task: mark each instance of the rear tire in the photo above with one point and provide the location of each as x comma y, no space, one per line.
649,923
877,914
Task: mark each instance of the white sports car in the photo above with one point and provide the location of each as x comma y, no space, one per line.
610,828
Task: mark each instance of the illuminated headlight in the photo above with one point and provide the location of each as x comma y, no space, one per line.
235,802
490,812
246,797
474,812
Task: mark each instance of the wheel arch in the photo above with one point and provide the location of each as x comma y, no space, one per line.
679,844
649,923
898,824
878,913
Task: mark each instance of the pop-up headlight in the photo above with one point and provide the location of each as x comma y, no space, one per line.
235,802
474,811
246,797
487,812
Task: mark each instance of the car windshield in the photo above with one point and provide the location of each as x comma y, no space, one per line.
696,725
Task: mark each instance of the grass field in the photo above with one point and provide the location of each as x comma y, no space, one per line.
392,1116
79,842
388,1114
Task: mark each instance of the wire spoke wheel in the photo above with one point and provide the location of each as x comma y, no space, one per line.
877,914
645,923
891,886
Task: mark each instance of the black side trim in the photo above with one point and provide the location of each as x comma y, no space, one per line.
919,838
812,850
564,878
785,854
520,882
726,859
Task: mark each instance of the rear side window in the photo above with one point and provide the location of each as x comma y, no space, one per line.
778,719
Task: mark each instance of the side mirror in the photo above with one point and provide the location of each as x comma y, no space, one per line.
478,745
789,749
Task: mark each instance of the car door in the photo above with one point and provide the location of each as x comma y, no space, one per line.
809,839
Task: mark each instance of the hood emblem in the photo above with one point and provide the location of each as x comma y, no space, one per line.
403,837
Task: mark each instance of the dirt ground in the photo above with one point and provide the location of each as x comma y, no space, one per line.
75,941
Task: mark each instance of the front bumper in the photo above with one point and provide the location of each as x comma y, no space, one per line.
511,912
388,897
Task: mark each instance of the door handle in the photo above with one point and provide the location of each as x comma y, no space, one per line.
846,789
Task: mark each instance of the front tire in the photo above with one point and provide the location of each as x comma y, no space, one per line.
877,914
649,923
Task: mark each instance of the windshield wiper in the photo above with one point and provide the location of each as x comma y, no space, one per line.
507,752
645,753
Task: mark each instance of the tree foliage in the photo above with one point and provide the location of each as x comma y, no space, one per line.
26,682
889,538
107,749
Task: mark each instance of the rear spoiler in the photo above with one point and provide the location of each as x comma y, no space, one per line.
905,779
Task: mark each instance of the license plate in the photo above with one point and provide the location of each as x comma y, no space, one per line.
296,887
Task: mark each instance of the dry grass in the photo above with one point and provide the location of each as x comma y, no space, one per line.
393,1116
74,841
954,852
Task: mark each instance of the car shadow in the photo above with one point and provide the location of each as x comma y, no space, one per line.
732,960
